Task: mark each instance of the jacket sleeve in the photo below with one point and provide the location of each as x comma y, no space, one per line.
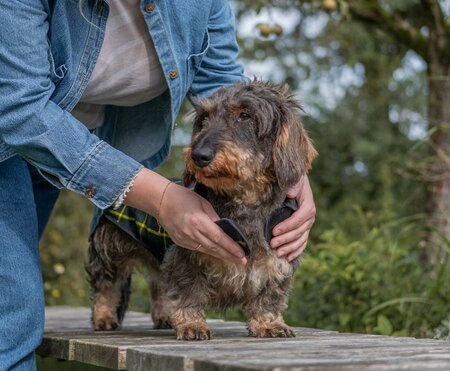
219,66
37,129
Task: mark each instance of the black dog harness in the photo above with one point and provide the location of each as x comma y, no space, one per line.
144,228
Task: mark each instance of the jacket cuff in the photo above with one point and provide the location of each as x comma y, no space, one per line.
121,199
105,175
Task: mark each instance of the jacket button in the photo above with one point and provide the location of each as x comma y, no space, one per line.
149,8
90,192
173,74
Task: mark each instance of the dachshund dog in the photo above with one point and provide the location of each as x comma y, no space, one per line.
248,148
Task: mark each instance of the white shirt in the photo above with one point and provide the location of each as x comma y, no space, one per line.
127,72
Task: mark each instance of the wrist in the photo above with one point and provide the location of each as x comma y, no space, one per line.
147,191
158,212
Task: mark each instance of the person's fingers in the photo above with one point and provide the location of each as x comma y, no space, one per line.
218,237
295,254
291,236
295,190
196,241
293,246
220,253
197,226
206,246
209,210
210,247
298,218
303,193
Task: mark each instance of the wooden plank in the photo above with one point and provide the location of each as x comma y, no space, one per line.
59,348
138,347
280,355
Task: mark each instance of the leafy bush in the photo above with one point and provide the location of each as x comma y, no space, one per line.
376,283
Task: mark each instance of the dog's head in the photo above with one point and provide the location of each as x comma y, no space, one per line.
248,137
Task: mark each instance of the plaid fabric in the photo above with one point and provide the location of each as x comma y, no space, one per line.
142,227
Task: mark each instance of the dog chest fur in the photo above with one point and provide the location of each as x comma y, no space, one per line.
229,284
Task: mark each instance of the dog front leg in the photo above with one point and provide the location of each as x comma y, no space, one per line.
265,315
184,294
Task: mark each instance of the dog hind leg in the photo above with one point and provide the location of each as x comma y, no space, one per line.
110,303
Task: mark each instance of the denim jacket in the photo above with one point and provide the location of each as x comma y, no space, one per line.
48,51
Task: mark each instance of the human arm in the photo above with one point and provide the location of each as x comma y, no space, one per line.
219,66
64,150
36,128
291,235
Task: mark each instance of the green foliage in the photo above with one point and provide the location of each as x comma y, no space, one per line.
63,251
374,283
52,364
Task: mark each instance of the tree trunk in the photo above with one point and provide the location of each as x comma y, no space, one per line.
438,171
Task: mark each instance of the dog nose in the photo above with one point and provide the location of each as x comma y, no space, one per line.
202,155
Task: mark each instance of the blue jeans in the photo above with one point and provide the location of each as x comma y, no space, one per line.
26,201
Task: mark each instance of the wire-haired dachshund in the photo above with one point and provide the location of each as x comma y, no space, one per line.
248,148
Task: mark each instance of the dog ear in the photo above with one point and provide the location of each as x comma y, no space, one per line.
293,151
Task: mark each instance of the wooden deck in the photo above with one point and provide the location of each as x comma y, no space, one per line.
138,347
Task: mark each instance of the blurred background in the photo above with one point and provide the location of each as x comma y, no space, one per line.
373,78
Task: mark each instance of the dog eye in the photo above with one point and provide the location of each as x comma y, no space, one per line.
244,116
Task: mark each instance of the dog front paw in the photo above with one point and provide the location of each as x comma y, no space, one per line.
193,331
105,324
262,329
104,319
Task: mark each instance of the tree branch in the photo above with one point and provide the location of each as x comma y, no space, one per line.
434,10
390,22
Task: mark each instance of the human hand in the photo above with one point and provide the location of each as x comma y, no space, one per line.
189,220
187,217
291,235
